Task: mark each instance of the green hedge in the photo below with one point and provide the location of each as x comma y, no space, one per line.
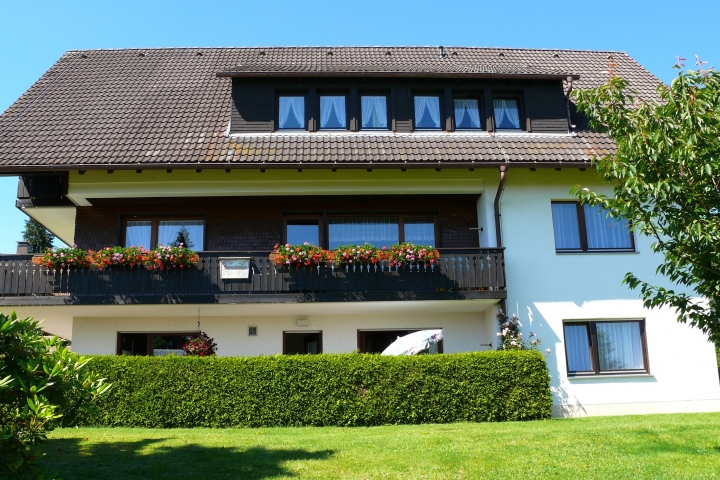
342,390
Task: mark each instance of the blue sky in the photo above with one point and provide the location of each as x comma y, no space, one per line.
33,35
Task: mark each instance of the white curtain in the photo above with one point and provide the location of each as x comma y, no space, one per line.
604,231
169,231
330,105
431,106
374,112
506,114
469,109
565,226
137,234
381,232
619,346
294,106
577,348
420,231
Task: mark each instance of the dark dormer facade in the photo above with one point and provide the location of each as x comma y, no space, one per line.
398,104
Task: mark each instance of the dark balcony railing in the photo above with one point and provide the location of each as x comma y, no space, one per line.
457,270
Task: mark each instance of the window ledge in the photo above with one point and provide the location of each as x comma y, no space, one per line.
607,376
597,252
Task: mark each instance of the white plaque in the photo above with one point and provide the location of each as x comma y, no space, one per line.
232,268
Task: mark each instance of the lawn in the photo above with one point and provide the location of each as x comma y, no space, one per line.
656,446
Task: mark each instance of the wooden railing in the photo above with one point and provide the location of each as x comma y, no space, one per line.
456,270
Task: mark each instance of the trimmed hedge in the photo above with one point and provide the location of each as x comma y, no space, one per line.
342,390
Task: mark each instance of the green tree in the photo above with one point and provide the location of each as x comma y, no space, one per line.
39,237
42,385
666,177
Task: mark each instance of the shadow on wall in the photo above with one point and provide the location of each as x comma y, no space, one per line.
151,458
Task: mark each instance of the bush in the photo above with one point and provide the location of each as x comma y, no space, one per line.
321,390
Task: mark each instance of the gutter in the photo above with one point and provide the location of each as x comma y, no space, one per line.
498,195
381,74
20,169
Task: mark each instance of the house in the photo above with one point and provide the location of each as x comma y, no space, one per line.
235,150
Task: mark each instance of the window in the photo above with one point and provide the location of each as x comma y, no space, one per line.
291,113
584,228
301,230
427,113
299,343
332,112
381,231
467,114
376,341
148,232
374,112
152,343
605,347
507,114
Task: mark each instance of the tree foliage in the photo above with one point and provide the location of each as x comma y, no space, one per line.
39,237
42,385
666,173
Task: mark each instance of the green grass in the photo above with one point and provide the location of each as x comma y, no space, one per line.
656,446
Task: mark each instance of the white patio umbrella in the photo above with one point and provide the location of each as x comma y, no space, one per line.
414,343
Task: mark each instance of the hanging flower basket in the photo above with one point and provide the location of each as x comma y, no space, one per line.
362,255
122,257
168,257
408,253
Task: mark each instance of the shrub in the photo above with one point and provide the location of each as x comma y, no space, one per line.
167,257
328,389
357,255
66,257
42,385
305,254
119,257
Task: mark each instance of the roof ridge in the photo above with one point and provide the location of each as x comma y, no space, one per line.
288,47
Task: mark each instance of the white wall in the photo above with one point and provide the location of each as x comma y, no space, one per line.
545,288
464,331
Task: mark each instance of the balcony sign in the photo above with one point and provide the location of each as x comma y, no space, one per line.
233,268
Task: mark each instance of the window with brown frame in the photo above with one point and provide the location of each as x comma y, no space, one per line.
507,113
605,347
149,231
152,343
377,229
467,113
586,228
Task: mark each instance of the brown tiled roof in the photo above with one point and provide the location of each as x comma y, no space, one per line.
166,107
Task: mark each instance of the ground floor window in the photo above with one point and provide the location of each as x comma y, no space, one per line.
605,347
375,341
152,343
299,343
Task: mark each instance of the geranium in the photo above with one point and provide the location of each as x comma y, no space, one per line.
305,254
408,253
366,254
67,257
166,257
200,346
119,256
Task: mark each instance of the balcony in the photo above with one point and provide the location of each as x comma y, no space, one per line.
469,273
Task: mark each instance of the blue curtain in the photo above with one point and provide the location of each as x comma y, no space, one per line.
292,112
332,112
374,111
604,231
137,233
507,116
577,348
379,231
427,112
467,114
565,226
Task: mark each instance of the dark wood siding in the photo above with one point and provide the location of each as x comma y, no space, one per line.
546,108
252,108
237,223
42,190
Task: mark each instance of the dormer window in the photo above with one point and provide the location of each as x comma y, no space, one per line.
427,112
374,112
467,114
333,115
507,114
292,113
